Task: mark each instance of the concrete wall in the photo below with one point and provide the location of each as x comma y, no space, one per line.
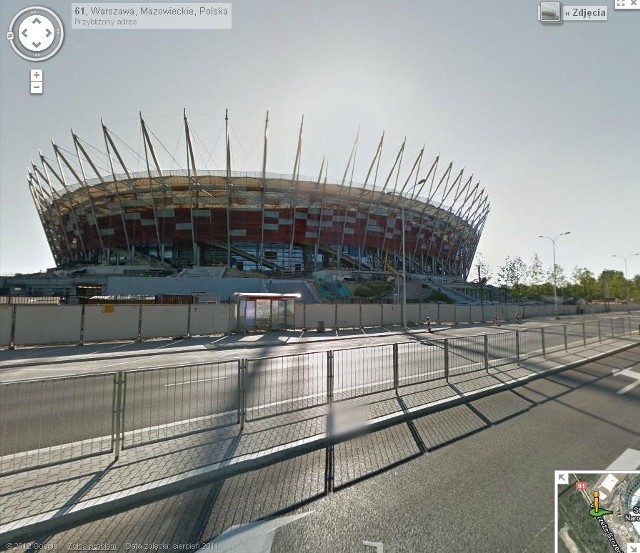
47,324
111,322
348,315
6,315
57,324
164,320
202,317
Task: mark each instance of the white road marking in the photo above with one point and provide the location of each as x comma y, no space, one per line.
629,460
185,382
256,537
631,374
378,545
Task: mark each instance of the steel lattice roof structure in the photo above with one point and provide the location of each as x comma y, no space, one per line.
195,216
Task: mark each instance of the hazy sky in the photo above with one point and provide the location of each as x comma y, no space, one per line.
546,117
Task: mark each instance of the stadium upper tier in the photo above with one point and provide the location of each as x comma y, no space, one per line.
255,221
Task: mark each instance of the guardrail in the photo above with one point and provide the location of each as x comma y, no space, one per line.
49,421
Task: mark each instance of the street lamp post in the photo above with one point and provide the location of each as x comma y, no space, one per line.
555,272
626,281
404,277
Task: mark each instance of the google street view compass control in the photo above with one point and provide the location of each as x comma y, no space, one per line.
36,33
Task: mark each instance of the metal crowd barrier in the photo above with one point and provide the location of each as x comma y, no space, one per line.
49,421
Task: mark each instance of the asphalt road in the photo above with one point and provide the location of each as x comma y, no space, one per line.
44,413
476,478
44,362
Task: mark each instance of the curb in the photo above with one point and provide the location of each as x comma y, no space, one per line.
86,511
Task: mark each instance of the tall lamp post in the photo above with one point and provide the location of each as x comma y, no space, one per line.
404,276
555,272
626,281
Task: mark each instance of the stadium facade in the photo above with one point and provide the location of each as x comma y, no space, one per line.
95,210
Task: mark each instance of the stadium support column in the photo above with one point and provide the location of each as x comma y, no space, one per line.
229,185
414,169
83,181
55,205
191,174
263,191
397,163
461,216
454,213
47,168
107,140
148,149
293,191
324,188
431,174
46,226
352,157
80,149
374,162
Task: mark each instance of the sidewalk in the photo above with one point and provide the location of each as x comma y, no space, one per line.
51,498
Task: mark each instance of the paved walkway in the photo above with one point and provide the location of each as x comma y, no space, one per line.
48,498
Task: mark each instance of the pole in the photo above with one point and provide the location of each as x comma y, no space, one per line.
404,277
555,271
555,282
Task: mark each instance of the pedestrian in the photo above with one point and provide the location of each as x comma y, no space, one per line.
496,320
429,325
518,318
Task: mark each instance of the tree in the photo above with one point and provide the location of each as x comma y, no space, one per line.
482,269
586,283
560,280
536,273
513,275
612,284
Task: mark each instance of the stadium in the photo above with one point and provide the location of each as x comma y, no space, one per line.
95,209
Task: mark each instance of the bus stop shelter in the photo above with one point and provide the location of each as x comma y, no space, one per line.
265,311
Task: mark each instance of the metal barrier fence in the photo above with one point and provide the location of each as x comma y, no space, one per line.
165,403
275,385
48,421
53,420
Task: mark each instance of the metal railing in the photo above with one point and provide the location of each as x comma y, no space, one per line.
52,420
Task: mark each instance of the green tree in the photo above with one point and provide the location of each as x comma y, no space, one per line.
586,285
536,273
612,284
513,275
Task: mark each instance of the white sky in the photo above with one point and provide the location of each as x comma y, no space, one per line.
547,117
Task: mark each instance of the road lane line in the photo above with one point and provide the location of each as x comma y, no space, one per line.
628,372
194,381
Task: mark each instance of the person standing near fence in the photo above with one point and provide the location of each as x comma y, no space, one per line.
496,320
429,325
518,318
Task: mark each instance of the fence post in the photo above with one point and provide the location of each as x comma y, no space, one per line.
189,321
599,332
613,334
544,347
140,323
330,377
12,338
584,335
117,419
242,395
82,325
486,352
396,377
566,345
517,347
446,358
